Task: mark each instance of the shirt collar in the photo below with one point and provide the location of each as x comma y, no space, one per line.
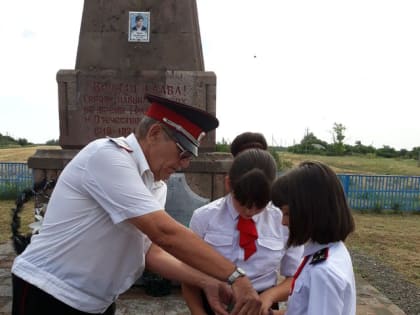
231,209
234,213
311,248
142,164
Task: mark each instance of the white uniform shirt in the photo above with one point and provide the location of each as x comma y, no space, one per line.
217,222
87,253
325,288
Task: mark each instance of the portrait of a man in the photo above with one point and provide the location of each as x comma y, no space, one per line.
139,23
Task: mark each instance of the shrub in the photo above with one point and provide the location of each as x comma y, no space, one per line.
9,191
378,208
222,147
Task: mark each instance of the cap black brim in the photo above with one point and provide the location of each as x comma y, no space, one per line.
185,143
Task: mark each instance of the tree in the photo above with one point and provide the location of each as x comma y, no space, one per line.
22,141
338,137
387,152
222,146
338,133
52,142
362,149
310,144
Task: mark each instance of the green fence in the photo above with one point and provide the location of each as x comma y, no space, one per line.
362,191
382,191
14,177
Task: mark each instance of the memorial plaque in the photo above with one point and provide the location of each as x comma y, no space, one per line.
109,103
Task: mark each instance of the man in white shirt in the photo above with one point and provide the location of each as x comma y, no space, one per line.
105,223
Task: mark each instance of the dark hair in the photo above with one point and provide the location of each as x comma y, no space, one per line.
248,140
139,17
251,175
318,208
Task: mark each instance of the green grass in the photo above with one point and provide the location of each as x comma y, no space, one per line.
26,215
360,164
391,238
10,191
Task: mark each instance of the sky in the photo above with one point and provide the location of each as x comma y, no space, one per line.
284,68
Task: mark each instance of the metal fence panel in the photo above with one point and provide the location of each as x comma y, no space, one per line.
362,191
382,191
14,177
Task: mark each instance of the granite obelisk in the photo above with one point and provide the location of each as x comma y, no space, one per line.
104,95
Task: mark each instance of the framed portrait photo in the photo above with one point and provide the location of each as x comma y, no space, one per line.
138,26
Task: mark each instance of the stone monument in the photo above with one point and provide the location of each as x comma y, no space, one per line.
126,49
104,96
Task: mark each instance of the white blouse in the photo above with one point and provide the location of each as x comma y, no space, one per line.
216,223
326,287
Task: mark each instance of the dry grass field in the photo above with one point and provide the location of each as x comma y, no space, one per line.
393,239
360,164
27,217
21,154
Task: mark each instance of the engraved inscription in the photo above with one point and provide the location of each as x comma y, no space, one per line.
115,108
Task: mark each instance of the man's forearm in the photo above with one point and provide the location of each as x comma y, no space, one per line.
159,261
184,244
195,252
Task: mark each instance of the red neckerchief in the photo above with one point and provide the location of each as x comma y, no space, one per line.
247,236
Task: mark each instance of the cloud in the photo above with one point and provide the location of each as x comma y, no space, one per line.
28,34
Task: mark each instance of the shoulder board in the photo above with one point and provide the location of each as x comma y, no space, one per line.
319,256
121,143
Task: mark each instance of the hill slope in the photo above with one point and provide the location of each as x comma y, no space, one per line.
360,164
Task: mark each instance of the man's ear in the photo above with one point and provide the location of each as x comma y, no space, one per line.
227,184
154,132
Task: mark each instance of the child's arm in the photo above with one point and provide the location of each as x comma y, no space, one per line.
192,296
277,293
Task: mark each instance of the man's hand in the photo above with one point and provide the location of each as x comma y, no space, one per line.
247,301
219,295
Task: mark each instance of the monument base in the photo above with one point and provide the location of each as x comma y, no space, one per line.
205,175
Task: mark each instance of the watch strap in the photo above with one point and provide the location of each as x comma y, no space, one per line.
237,273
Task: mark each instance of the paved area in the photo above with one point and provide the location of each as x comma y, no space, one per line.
369,300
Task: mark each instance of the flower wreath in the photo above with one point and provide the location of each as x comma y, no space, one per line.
42,189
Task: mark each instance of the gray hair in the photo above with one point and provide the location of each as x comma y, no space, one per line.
144,125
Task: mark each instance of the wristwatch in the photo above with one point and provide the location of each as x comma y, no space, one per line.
237,273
